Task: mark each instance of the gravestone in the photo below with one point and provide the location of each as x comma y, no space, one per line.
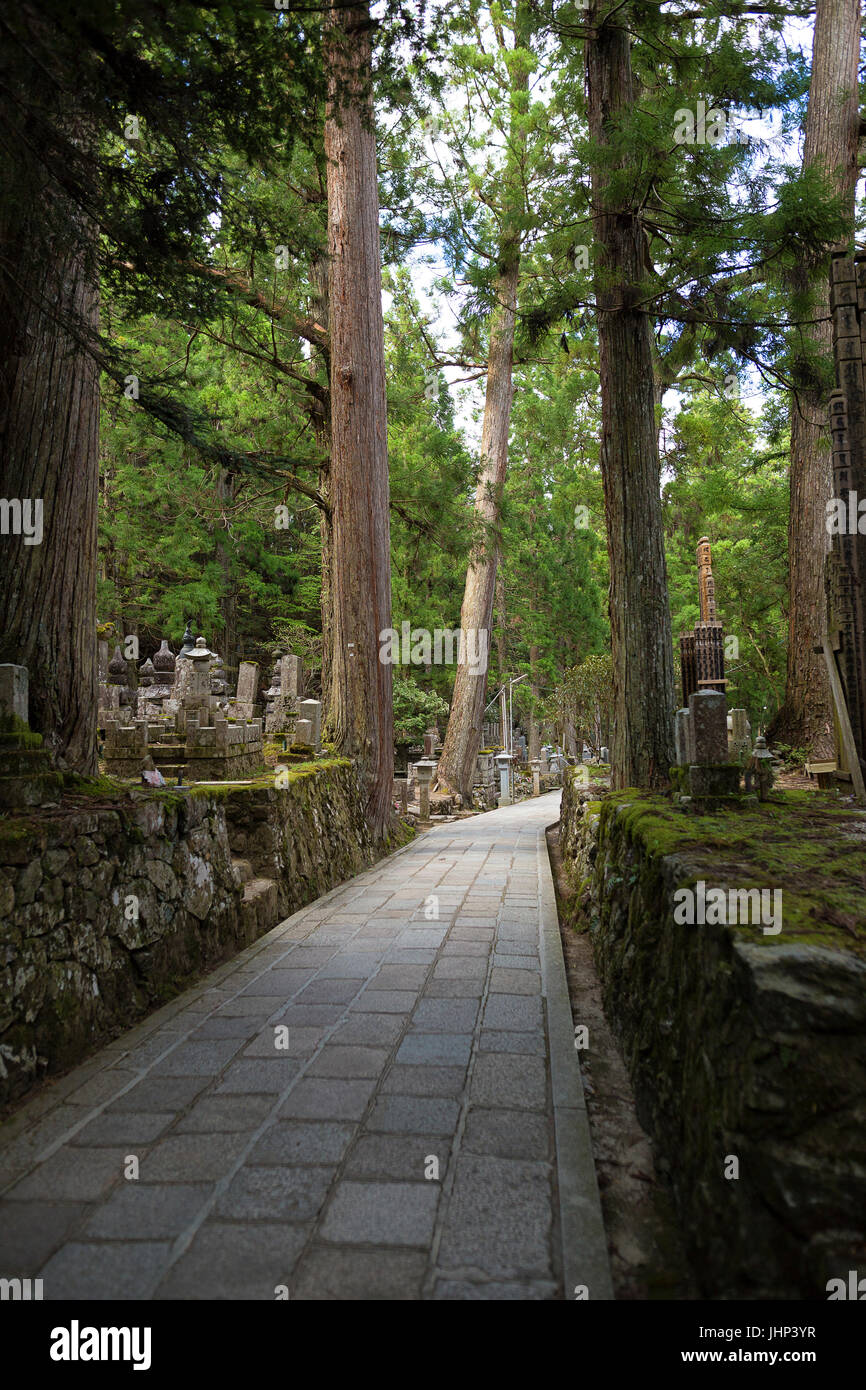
27,775
292,676
714,782
312,710
708,713
401,794
283,697
14,693
740,739
248,684
304,735
424,772
682,738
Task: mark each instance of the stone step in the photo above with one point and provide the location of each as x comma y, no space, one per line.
243,868
259,907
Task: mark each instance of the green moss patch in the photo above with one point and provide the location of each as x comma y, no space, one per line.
802,842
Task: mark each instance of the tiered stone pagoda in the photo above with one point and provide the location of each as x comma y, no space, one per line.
702,651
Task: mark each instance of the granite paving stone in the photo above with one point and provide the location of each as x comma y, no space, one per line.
321,1098
142,1211
295,1141
508,1134
414,1115
381,1213
348,1061
445,1015
398,1155
236,1261
275,1194
332,1273
310,1167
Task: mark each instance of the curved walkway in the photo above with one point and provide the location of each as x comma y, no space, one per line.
379,1099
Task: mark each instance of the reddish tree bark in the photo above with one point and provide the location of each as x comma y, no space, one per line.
361,710
831,142
49,428
643,685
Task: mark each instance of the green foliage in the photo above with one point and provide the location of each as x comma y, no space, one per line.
726,483
585,698
415,710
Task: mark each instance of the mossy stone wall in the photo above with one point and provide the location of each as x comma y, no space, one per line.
740,1045
113,901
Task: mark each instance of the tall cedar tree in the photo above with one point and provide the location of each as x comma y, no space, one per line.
360,693
831,144
463,735
643,682
70,79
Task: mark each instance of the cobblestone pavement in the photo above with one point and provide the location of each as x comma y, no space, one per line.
379,1099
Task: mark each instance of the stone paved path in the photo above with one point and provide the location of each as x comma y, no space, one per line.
412,1040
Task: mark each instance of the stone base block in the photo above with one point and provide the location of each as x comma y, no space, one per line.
246,763
714,779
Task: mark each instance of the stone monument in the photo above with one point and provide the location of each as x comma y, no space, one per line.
702,651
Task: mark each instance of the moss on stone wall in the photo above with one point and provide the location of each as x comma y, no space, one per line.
740,1044
122,895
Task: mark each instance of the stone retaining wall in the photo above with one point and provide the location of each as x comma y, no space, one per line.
113,902
739,1045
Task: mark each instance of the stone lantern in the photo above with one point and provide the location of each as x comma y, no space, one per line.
535,764
503,762
198,697
424,773
759,769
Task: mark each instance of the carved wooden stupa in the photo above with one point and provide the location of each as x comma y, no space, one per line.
702,651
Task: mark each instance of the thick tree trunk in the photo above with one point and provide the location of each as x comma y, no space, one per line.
463,736
321,422
832,127
534,739
502,636
643,686
227,638
49,444
361,714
